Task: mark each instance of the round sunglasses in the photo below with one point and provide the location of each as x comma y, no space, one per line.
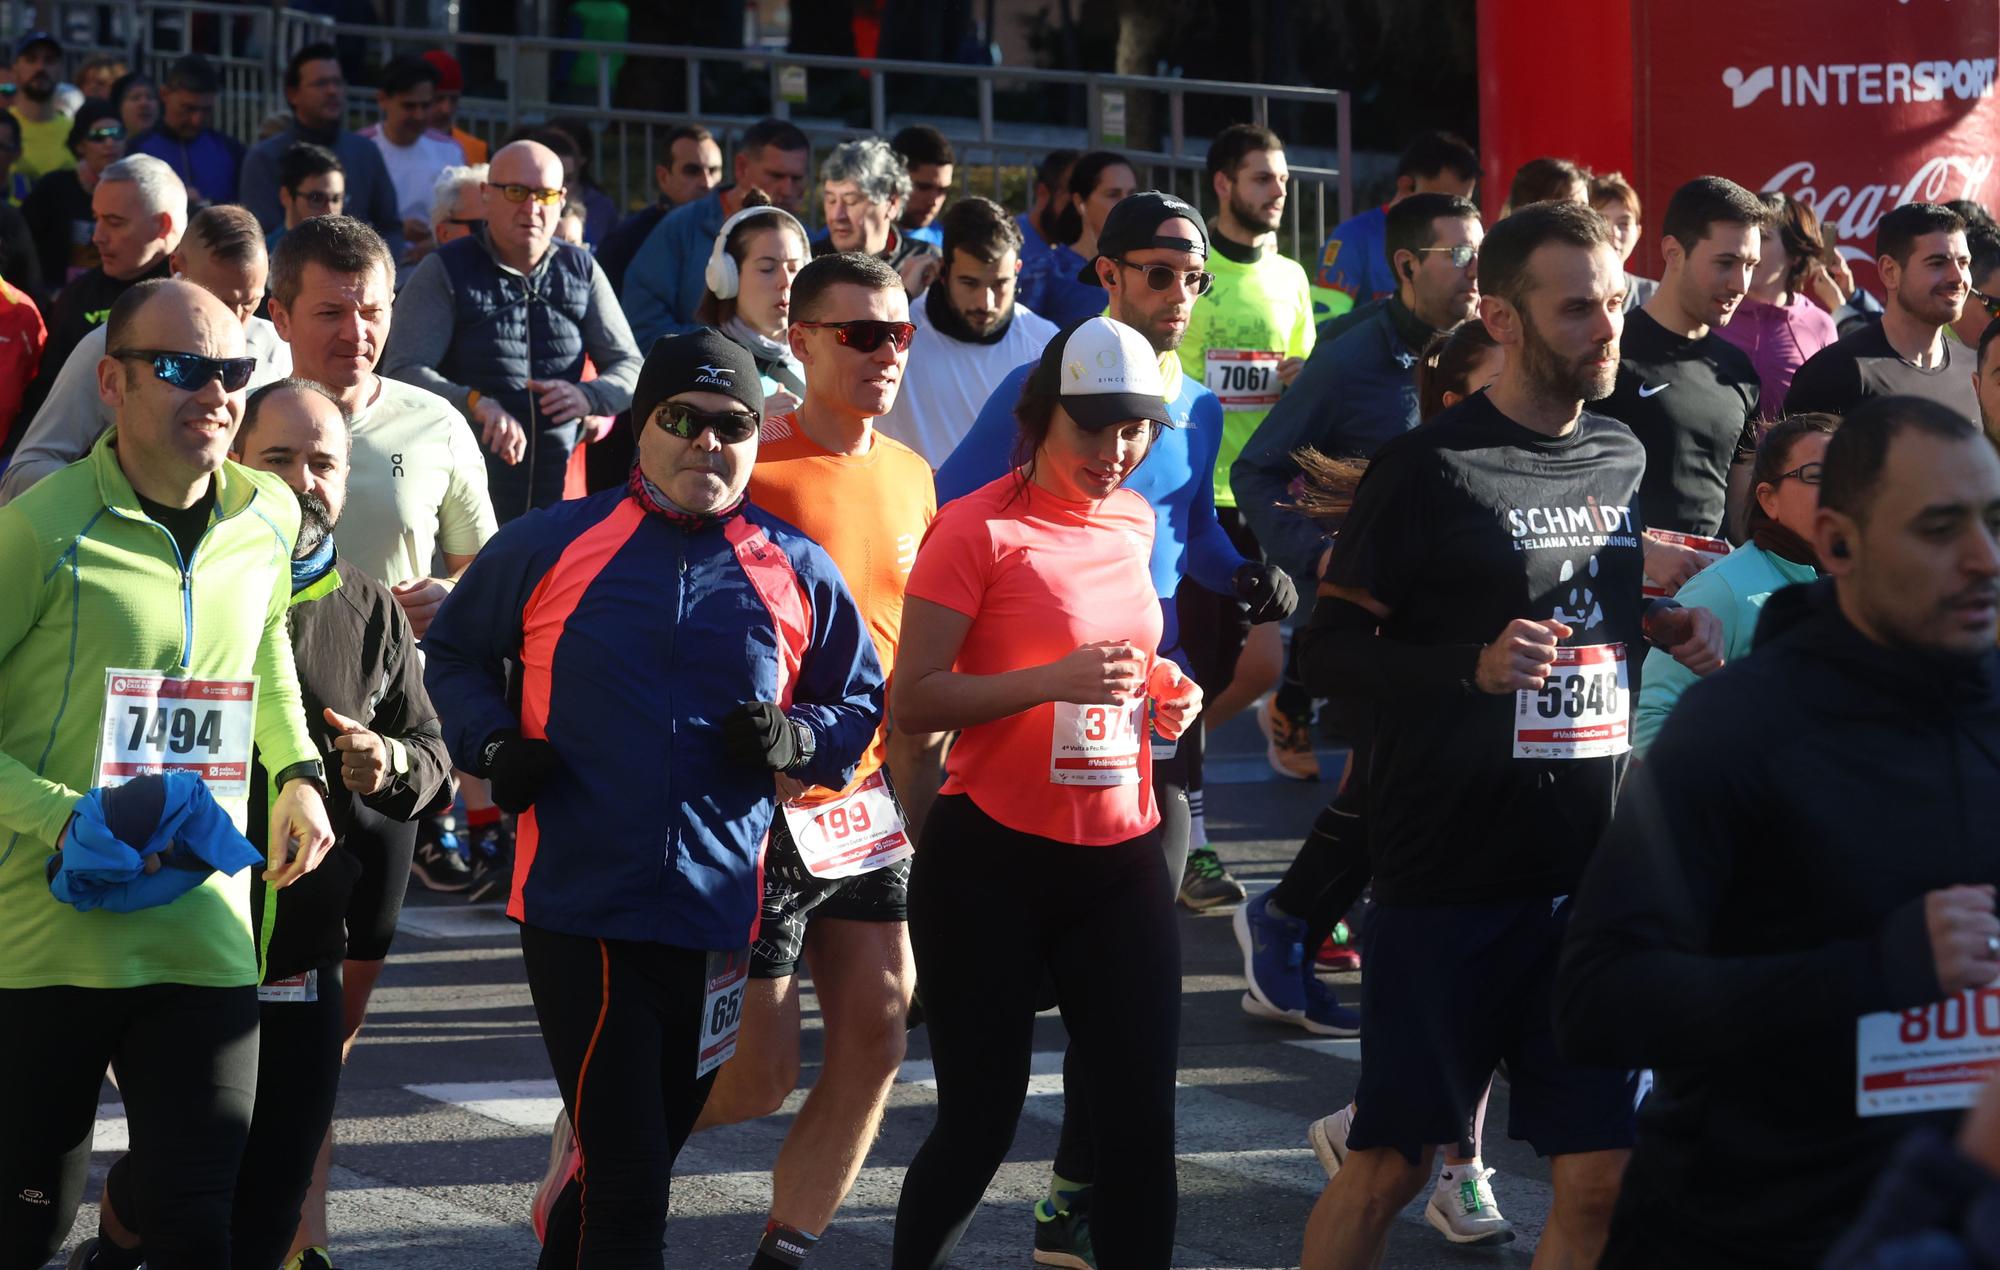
1160,277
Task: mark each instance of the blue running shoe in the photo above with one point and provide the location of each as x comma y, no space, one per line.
1325,1015
1273,960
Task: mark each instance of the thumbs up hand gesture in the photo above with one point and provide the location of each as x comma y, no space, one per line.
363,755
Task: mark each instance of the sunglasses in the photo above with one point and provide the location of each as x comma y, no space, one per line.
1987,302
522,193
1160,277
190,372
1460,256
116,132
1807,474
865,335
731,427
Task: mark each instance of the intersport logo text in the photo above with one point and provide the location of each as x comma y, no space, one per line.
1863,83
1852,211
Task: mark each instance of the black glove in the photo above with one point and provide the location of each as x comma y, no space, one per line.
517,767
758,734
1266,589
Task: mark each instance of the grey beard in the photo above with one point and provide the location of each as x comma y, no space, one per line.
315,525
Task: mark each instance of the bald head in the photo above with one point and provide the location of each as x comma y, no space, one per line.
521,231
175,415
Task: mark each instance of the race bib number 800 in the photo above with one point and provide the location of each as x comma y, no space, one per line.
1936,1057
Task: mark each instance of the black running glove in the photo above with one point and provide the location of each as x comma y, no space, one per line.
517,768
758,734
1267,589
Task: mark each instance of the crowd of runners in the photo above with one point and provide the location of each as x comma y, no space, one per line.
737,603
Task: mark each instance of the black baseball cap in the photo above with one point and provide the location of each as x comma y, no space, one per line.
1134,225
1103,373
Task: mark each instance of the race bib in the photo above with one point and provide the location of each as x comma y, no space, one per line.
722,1009
856,834
1709,549
1582,712
156,723
300,987
1096,745
1937,1057
1244,378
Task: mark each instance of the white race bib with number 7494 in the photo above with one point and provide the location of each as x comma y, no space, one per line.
157,723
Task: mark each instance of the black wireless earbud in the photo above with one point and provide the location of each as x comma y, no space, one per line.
1839,548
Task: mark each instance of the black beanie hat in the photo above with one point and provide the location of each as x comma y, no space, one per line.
705,360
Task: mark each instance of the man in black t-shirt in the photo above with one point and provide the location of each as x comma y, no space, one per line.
1689,395
1485,593
1920,253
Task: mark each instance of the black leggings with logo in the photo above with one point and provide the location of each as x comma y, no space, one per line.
992,911
186,1061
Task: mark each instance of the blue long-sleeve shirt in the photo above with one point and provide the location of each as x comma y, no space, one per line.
208,165
1353,396
371,195
1176,478
634,639
665,281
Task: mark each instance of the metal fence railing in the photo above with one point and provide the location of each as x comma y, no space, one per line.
1000,119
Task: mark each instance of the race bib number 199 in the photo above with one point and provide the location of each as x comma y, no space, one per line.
156,723
856,834
1583,711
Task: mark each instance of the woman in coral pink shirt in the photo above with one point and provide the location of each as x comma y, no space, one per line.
1029,630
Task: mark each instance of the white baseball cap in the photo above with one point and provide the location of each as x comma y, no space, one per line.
1104,373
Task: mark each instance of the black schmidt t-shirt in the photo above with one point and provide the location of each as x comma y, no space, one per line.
1693,405
1459,527
1864,364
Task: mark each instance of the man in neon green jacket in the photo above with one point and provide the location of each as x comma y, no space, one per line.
143,592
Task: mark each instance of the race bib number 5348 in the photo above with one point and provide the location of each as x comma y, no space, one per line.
1583,711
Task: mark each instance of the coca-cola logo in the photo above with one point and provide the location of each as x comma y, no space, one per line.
1851,212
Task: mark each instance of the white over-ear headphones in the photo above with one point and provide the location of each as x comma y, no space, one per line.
721,275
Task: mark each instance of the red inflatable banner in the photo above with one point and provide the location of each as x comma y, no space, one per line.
1854,106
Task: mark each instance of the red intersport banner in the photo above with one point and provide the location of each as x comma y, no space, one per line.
1853,106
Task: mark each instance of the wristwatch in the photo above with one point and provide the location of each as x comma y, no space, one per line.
312,772
807,747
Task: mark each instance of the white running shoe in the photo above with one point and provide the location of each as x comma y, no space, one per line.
1328,1136
563,1161
1463,1209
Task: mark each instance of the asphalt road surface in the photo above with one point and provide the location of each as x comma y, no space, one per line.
446,1105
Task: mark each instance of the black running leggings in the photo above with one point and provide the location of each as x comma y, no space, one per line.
186,1060
622,1024
990,911
1076,1155
1331,869
298,1050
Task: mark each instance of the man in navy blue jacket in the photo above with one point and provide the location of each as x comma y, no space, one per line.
675,649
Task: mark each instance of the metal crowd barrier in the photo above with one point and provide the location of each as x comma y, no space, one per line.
521,80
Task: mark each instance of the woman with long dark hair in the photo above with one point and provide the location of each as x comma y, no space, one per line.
1029,628
1778,324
